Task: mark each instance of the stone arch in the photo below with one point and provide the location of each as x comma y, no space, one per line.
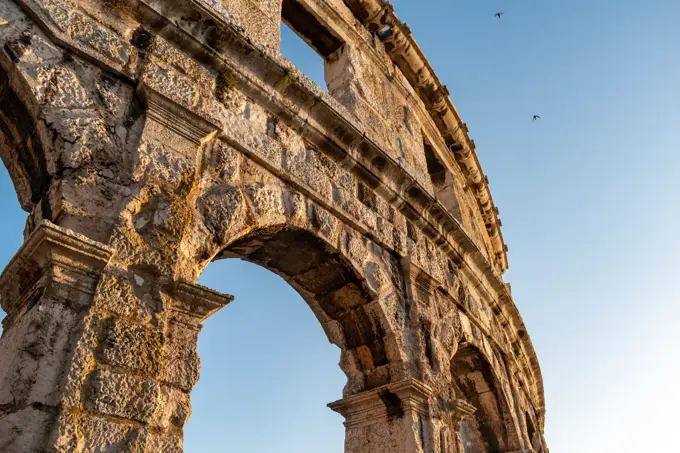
243,210
21,138
490,429
64,121
336,291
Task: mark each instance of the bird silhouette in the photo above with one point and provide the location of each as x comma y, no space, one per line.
499,14
536,117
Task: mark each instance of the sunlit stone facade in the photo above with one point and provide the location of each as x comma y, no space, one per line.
147,138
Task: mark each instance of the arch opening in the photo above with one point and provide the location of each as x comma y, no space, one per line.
21,147
23,173
267,370
474,381
312,30
335,291
307,42
531,431
336,294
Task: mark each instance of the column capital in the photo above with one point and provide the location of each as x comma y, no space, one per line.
192,303
388,402
69,257
462,409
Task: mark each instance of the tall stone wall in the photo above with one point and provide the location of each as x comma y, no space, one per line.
148,138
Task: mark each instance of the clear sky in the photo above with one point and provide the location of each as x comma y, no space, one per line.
589,198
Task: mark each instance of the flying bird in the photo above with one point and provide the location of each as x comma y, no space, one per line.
536,117
499,14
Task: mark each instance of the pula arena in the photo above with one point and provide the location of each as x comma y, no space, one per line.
148,138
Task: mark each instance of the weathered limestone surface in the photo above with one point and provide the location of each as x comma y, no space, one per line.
147,138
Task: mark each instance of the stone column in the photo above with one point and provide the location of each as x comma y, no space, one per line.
393,418
95,357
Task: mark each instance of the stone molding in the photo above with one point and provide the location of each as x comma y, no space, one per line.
385,403
48,247
192,304
462,409
420,279
176,117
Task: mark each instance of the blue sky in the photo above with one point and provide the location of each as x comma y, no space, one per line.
589,198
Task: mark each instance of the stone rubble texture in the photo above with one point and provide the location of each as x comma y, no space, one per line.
147,138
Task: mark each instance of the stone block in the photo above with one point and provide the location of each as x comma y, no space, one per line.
138,348
125,396
173,411
33,353
182,364
148,441
23,430
104,435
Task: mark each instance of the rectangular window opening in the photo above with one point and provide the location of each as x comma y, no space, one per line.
306,42
442,182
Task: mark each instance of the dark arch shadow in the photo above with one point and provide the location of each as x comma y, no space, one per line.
486,430
22,148
531,430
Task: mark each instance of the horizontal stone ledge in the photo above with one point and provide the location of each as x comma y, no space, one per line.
50,246
192,303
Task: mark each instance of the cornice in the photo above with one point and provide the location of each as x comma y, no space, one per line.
463,409
408,56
